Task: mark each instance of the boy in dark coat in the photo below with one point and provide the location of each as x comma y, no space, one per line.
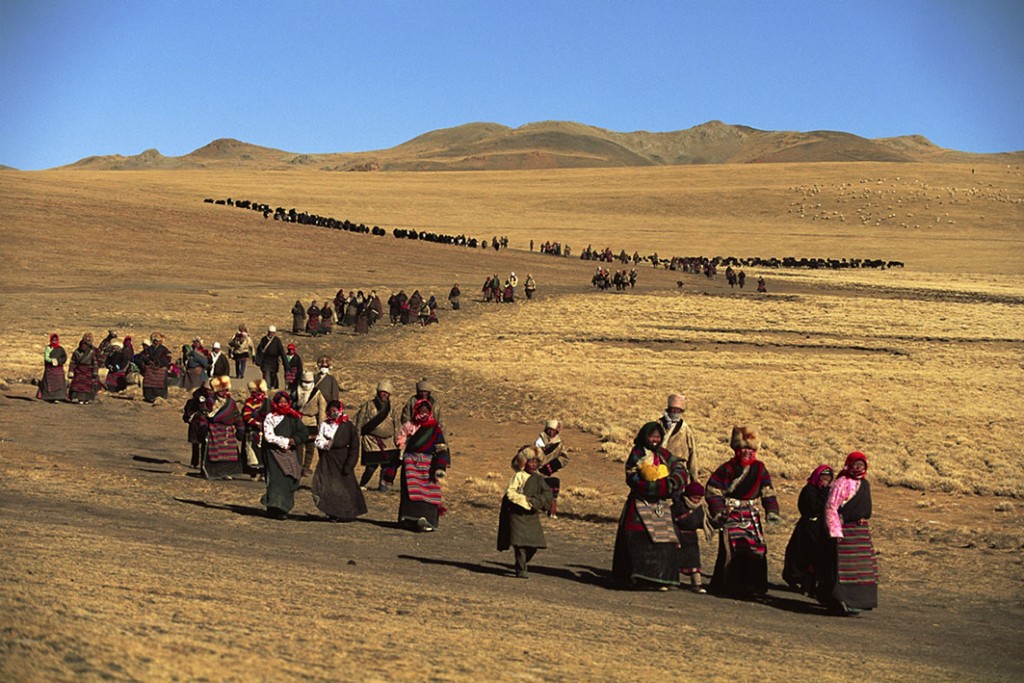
526,497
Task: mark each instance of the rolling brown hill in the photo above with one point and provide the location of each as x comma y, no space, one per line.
561,144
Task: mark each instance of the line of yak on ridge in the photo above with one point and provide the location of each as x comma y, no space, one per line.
305,218
292,216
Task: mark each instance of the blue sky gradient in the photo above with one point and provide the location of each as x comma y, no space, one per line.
119,76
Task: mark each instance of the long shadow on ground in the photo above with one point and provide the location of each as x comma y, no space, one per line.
248,511
592,576
468,566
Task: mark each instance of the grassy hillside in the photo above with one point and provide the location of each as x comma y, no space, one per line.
914,365
562,144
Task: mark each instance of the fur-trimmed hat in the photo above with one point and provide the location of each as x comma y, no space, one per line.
424,385
677,401
325,360
744,437
553,424
385,385
307,376
526,453
220,383
258,385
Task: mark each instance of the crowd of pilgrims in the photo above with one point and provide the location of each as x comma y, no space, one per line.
829,556
604,279
505,293
303,430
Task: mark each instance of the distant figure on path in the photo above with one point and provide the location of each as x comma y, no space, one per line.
298,317
53,385
324,381
268,356
313,319
241,348
292,363
326,318
554,458
224,431
84,363
218,362
156,362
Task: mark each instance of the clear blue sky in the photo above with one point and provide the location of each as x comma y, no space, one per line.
92,77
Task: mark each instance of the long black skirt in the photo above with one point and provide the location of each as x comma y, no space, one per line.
335,492
805,554
637,561
279,498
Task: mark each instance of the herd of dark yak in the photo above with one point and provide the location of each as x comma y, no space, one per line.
305,218
694,264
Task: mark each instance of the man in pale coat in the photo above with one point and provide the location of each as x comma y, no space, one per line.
313,406
678,439
377,422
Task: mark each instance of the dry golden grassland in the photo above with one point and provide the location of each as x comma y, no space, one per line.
120,563
920,368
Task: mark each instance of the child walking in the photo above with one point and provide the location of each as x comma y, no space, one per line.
689,512
525,498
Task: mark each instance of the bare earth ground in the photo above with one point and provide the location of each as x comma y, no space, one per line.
116,562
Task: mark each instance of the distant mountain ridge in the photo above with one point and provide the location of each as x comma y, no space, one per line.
562,144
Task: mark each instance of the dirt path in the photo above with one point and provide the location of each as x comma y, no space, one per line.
119,563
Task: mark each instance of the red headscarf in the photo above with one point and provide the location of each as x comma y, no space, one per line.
423,420
850,459
745,456
54,340
341,417
291,349
287,410
818,473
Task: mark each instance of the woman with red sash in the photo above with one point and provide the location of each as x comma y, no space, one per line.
732,492
53,385
425,460
84,380
283,431
646,546
224,429
850,580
